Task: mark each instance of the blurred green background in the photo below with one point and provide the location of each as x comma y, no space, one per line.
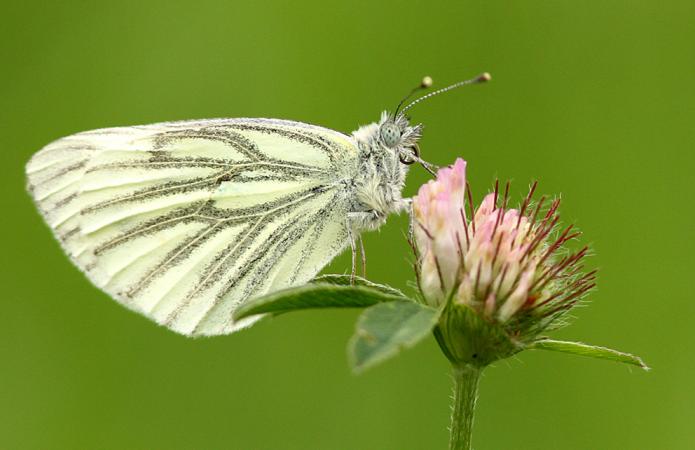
594,99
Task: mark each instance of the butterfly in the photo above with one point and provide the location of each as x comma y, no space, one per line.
185,221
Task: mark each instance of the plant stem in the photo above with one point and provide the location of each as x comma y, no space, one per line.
465,394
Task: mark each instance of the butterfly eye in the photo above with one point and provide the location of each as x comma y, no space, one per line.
403,158
390,134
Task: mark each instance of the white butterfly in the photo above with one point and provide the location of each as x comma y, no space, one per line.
185,221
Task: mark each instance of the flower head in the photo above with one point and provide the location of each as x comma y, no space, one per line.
437,210
507,266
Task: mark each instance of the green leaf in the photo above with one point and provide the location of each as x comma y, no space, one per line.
347,280
314,296
577,348
385,329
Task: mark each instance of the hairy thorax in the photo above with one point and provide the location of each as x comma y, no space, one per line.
378,183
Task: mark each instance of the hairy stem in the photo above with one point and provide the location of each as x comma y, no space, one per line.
465,394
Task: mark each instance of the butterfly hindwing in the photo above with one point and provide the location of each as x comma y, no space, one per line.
183,221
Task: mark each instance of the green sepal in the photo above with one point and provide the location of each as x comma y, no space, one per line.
385,329
466,338
311,296
578,348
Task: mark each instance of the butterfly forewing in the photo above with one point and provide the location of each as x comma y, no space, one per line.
184,221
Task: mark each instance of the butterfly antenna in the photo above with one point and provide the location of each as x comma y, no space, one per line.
424,84
479,79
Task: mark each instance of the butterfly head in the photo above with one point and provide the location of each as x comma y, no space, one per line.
396,133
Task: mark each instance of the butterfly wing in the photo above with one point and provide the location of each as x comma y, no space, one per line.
184,221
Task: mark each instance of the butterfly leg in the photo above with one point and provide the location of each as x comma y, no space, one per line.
356,221
353,247
364,258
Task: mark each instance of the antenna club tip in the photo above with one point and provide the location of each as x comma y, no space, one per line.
426,82
484,77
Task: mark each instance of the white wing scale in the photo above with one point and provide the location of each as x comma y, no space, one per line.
184,221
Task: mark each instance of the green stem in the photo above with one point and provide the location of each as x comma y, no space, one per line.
465,394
